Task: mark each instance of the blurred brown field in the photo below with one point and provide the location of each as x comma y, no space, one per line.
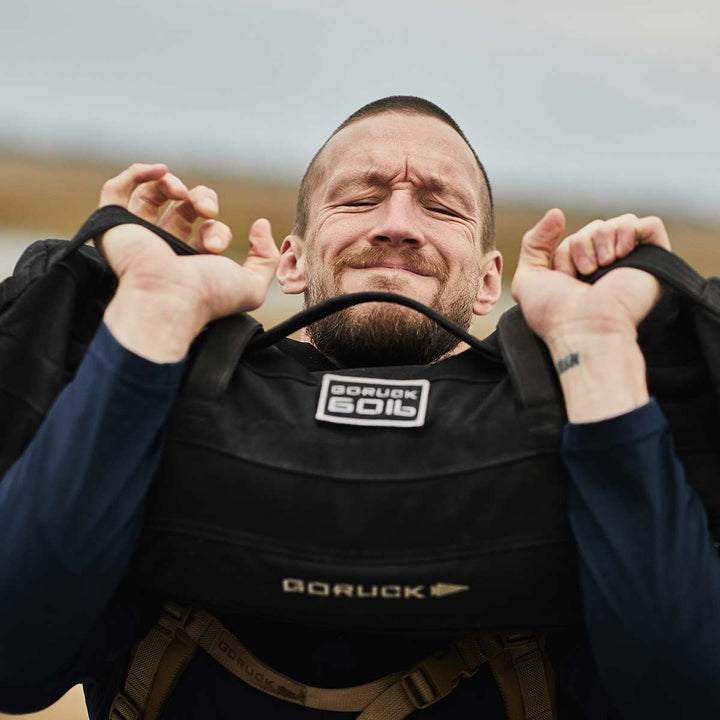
54,196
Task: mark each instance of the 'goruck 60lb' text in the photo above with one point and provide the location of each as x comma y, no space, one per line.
372,401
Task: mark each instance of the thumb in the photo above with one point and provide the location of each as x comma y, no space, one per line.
263,255
539,242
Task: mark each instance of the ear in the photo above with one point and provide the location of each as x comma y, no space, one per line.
291,268
490,286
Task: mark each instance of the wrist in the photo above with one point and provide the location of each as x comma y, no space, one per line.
601,375
157,327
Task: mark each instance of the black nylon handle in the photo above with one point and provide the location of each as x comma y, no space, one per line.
531,371
335,304
667,267
110,216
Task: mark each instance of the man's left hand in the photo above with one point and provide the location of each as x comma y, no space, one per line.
590,330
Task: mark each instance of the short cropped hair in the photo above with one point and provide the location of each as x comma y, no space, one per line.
399,104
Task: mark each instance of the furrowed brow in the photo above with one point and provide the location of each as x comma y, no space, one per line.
349,182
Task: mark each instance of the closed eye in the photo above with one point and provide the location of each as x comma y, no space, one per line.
443,211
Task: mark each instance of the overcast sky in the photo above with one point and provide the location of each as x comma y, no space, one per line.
619,101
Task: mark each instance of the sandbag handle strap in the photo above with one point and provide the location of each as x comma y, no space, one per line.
532,373
670,269
221,347
341,302
110,216
228,339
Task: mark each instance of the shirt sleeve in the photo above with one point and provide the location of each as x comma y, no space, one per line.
71,509
649,569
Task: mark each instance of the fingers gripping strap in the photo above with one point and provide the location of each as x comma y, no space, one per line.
664,265
110,216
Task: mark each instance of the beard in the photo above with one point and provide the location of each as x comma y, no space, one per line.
374,334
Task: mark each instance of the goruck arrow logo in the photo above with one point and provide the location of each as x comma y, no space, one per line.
363,592
443,589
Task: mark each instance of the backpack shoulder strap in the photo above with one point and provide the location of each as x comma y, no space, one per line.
519,664
158,661
525,677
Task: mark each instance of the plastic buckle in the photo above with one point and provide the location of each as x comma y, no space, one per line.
441,672
174,616
515,641
123,708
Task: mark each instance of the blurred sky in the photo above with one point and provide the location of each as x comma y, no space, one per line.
617,101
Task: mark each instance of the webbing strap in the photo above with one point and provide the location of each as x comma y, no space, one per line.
224,647
518,663
430,680
159,660
525,678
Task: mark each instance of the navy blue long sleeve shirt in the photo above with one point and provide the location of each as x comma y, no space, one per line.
71,512
649,569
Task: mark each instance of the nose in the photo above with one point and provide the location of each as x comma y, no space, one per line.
399,223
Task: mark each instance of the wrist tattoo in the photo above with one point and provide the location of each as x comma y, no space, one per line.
567,362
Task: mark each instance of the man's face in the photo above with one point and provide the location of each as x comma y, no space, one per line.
398,207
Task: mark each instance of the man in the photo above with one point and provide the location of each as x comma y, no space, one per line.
395,200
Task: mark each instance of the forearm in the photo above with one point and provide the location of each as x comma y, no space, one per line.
602,375
649,571
71,507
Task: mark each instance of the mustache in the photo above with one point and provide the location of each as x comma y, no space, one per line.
410,259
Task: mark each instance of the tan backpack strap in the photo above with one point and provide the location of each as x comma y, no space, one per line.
157,663
518,662
392,697
430,680
525,677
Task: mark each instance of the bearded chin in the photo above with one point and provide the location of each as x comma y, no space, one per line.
374,334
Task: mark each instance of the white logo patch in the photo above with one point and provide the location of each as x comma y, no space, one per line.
372,401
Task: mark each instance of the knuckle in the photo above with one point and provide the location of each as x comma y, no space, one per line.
109,185
603,230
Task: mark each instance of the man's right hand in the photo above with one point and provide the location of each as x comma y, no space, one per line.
163,300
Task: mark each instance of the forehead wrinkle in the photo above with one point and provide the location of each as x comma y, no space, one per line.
374,178
354,180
